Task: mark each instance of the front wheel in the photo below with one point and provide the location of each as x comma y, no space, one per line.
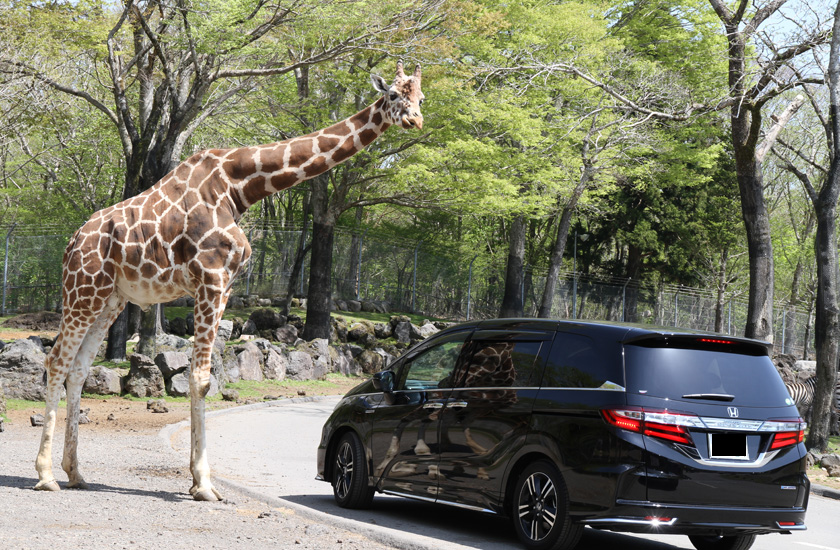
541,509
733,542
350,476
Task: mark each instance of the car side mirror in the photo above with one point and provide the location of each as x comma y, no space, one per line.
384,381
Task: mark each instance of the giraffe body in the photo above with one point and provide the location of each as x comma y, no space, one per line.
181,237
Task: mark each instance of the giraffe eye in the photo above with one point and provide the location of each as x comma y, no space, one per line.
393,96
421,102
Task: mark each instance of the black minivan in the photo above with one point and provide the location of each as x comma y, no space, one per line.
559,425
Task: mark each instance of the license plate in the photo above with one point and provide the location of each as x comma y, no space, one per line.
729,446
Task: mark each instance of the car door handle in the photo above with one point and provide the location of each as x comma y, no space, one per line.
459,404
433,406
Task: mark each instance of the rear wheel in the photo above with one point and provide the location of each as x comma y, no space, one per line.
734,542
350,476
541,509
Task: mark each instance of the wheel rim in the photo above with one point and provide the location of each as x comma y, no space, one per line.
344,470
537,506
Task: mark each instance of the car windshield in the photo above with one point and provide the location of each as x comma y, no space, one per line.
704,375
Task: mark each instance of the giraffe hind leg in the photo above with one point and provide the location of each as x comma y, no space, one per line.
75,381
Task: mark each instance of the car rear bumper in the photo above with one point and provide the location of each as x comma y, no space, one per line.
650,517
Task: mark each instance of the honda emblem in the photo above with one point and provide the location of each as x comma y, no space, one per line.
733,412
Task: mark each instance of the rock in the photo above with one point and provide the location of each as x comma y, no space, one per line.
427,329
225,330
36,420
832,464
2,401
249,327
275,364
230,395
171,363
267,319
300,367
84,417
402,332
179,385
359,331
370,362
2,426
157,406
111,417
287,334
354,306
144,377
170,342
236,302
178,326
22,370
102,381
383,330
250,360
387,358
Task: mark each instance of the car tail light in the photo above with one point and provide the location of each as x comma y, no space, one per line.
661,424
787,433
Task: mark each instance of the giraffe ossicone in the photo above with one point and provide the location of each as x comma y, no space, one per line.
181,237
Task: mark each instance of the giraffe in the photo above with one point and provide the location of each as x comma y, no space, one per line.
181,237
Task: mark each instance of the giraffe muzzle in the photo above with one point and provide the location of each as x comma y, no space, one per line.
413,122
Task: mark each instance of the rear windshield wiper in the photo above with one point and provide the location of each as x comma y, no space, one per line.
710,396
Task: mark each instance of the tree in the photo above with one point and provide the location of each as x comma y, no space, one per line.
752,83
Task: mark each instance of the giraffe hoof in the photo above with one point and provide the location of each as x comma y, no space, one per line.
206,495
79,484
49,485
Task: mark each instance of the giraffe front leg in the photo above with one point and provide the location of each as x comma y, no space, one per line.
209,307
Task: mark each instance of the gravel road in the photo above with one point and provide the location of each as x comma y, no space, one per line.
138,498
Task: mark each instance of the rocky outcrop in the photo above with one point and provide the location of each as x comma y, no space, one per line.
144,377
103,381
22,370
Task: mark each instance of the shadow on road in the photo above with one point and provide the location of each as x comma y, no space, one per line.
458,526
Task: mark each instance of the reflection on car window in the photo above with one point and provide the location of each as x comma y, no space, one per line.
577,362
502,365
433,367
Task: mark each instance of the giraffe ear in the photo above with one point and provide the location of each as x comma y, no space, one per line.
379,84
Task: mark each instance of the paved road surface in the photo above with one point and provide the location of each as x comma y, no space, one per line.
270,452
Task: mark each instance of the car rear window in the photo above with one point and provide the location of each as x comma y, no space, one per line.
668,370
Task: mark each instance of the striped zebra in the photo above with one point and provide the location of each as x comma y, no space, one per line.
802,394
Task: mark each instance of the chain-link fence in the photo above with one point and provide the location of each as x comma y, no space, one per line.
410,276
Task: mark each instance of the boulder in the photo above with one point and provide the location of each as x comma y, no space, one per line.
383,330
276,363
236,302
144,377
287,334
22,370
832,464
427,329
359,331
225,330
250,361
338,330
179,385
249,327
102,381
370,362
300,367
170,342
178,326
267,319
354,306
402,332
171,363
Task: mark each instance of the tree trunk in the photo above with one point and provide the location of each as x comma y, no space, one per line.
556,261
319,297
512,301
302,250
790,326
827,325
721,291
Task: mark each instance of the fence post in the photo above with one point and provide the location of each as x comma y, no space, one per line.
676,306
624,300
784,327
729,325
250,266
6,266
414,283
469,288
359,270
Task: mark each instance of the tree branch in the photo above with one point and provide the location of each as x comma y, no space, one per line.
779,123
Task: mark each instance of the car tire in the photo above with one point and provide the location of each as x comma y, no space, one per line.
541,509
734,542
350,476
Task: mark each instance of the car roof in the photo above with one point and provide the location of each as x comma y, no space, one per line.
617,331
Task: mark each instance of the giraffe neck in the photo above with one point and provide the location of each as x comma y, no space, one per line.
257,172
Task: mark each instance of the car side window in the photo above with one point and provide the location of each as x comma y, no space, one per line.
433,366
493,364
577,362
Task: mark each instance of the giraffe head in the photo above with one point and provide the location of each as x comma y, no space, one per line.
402,99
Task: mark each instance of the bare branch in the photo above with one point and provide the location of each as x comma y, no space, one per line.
779,123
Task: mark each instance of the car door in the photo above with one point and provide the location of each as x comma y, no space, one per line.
488,415
405,424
